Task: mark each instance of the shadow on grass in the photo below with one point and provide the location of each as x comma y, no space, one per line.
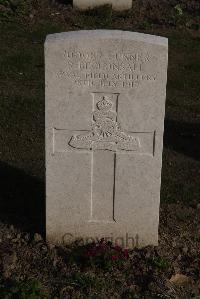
183,137
66,2
22,199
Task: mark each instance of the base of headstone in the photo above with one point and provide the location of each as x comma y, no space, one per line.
118,5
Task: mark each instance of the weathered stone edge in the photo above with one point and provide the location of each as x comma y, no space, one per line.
108,34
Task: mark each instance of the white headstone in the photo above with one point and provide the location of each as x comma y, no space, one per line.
105,105
116,4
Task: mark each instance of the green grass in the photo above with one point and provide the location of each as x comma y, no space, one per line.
160,263
85,281
24,290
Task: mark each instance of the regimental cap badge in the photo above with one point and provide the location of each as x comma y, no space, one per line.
104,104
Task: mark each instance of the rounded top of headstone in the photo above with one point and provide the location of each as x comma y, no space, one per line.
107,34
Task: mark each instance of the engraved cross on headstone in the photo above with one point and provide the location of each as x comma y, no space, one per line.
105,141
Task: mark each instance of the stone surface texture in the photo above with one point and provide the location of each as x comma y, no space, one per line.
105,105
116,4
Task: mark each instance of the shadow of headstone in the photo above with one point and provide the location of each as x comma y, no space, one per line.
183,137
22,199
65,2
